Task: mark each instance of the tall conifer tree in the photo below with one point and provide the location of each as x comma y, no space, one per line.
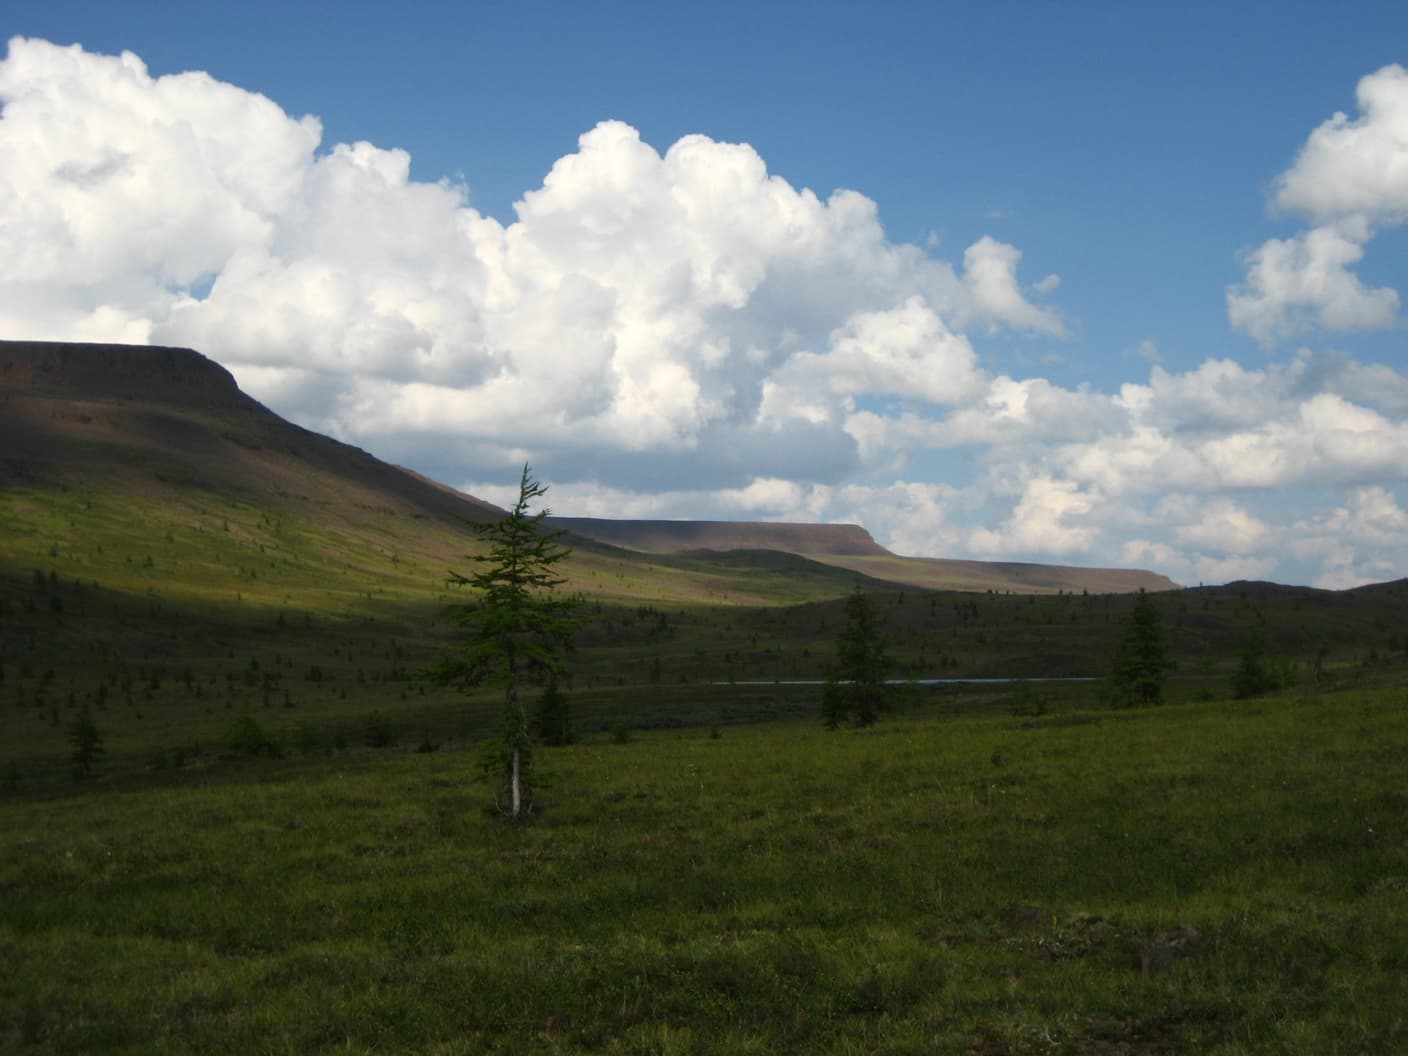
855,691
519,630
1141,658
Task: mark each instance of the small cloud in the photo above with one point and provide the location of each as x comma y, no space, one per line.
1147,351
1307,282
1048,284
990,273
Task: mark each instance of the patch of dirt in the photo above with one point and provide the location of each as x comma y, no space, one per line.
1082,935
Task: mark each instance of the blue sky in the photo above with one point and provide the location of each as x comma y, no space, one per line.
1065,201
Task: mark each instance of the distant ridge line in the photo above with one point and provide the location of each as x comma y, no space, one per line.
669,537
851,547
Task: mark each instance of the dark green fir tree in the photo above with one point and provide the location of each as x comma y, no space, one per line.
1141,658
518,630
855,689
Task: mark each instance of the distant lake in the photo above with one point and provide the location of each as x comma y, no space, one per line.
908,681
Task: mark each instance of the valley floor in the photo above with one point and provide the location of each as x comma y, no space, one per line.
1198,878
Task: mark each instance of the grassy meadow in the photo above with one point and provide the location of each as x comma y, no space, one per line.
1201,878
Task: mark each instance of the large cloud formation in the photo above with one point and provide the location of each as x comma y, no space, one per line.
688,334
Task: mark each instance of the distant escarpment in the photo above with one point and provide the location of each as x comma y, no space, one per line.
851,547
673,537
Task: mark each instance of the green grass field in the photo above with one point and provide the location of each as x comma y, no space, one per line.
1196,878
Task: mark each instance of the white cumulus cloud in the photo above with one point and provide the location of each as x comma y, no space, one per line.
1049,520
1225,527
1350,180
990,273
1297,284
643,303
1356,167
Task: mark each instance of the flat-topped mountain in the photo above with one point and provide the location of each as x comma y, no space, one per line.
852,547
146,373
673,537
145,416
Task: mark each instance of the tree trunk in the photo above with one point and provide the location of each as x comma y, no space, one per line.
516,793
515,712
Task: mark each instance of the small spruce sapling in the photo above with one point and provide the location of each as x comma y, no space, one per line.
855,690
87,742
554,716
1140,658
1254,675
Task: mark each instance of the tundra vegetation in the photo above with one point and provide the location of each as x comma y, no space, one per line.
1194,878
270,854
